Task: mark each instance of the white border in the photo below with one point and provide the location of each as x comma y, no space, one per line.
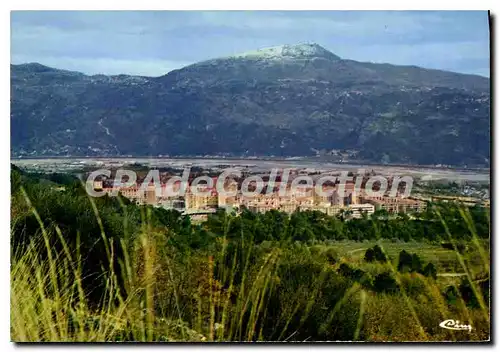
187,5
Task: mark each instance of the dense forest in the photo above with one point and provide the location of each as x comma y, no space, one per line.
105,269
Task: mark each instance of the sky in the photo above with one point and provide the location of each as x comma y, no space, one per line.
152,43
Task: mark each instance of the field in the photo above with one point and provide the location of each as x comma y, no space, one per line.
449,269
445,259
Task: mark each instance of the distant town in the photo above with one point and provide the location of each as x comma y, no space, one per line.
467,187
199,200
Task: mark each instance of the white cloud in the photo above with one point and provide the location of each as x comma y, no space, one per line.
105,66
365,23
440,53
153,42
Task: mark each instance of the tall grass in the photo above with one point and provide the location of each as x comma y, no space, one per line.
229,296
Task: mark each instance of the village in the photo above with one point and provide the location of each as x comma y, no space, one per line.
200,200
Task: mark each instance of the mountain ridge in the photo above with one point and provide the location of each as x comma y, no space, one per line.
300,106
319,48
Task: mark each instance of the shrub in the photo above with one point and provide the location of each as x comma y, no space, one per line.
467,293
375,253
385,282
344,269
379,254
370,255
416,263
430,271
331,256
451,295
405,261
413,284
367,281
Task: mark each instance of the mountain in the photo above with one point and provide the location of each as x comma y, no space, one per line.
290,100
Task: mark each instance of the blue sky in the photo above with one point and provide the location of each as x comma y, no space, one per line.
155,42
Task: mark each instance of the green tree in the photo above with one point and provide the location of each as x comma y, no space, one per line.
405,261
385,282
416,263
430,271
370,255
379,254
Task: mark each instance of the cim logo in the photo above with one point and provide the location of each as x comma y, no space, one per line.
451,324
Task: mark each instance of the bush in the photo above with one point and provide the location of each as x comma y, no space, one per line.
413,284
385,282
344,270
331,256
367,281
379,254
404,261
430,271
461,247
370,255
467,293
416,263
451,295
375,253
351,273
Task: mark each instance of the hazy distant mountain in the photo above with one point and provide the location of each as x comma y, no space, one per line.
291,100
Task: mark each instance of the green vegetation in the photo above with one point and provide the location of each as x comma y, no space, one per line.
375,253
103,269
446,188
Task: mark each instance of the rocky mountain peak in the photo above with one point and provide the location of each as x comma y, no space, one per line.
295,51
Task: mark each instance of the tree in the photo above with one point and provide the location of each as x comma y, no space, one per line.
351,273
405,261
430,271
379,254
451,295
344,269
416,263
370,255
384,282
375,253
380,214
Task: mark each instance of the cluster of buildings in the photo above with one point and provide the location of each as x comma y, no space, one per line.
331,201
